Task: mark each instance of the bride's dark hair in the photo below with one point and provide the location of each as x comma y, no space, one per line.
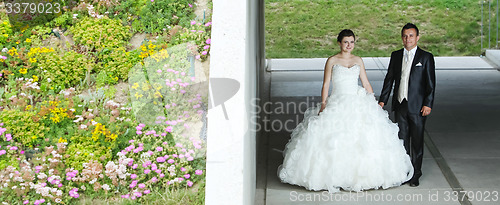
345,33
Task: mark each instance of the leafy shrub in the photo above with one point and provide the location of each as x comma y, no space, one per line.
100,33
116,63
5,31
59,71
23,126
157,15
83,149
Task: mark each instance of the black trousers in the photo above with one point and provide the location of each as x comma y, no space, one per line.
411,130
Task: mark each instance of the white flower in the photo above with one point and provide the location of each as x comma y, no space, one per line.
83,187
72,110
83,126
5,50
48,80
93,181
58,200
42,176
105,187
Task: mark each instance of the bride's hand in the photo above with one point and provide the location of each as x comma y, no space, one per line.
323,105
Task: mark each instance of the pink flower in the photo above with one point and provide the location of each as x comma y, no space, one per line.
8,137
158,71
208,24
142,186
154,179
208,41
183,169
198,56
206,47
135,166
187,176
168,129
193,22
126,196
2,152
170,161
162,175
159,149
26,201
138,132
147,171
142,125
190,159
189,183
133,176
138,194
13,148
160,159
204,53
147,191
198,172
191,6
158,171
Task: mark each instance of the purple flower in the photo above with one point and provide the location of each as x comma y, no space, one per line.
190,6
133,176
26,201
189,183
169,129
187,176
193,22
159,149
208,41
147,191
183,169
206,47
160,159
147,171
2,152
142,186
198,172
170,161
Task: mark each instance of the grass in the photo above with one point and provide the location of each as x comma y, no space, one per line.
194,195
305,29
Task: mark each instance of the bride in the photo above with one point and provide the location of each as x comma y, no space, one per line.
346,142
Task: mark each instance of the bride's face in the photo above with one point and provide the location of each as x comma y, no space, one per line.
347,44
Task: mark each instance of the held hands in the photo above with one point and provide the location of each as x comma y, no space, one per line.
425,111
381,104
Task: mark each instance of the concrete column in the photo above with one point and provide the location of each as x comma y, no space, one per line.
231,142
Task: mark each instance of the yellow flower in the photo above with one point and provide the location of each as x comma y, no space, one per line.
33,138
151,46
32,60
28,107
137,95
158,94
23,70
28,40
145,87
6,35
135,86
35,78
17,42
61,140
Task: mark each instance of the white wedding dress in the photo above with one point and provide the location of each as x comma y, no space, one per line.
351,145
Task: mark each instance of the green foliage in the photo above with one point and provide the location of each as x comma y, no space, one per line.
195,33
157,15
100,33
23,126
5,31
64,71
115,64
83,149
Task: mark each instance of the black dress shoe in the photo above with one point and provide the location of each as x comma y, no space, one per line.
414,183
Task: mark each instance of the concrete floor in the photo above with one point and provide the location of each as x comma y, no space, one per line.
462,153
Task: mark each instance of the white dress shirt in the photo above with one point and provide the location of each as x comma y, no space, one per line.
405,73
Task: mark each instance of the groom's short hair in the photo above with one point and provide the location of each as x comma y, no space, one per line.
409,26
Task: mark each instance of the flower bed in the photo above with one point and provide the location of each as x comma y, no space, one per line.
97,119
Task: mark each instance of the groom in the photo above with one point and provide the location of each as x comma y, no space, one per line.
412,72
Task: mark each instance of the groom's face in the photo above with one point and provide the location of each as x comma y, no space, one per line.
410,38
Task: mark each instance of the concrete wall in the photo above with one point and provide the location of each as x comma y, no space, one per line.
235,54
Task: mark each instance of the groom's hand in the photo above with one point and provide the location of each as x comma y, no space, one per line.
425,111
381,104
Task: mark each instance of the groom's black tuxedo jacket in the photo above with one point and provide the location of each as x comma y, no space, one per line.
421,85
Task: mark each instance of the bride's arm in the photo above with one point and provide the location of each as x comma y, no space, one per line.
364,78
326,82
